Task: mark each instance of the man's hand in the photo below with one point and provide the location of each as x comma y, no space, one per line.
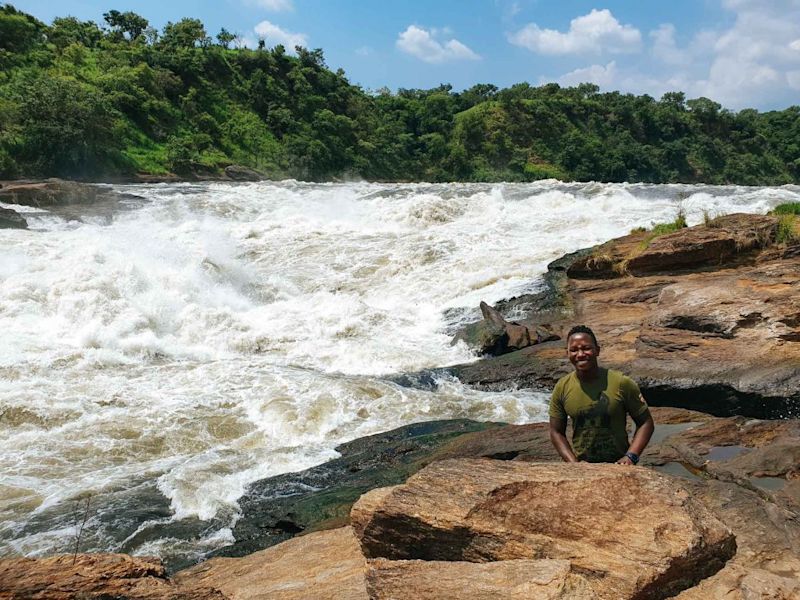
625,461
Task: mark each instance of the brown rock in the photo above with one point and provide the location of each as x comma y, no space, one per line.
92,576
724,338
494,335
509,579
482,511
637,254
323,565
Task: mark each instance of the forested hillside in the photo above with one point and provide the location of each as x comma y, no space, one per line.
78,99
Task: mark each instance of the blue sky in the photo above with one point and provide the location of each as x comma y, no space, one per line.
741,53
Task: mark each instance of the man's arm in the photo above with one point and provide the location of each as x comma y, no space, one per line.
644,430
558,435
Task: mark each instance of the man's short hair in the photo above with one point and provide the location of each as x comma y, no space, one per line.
583,329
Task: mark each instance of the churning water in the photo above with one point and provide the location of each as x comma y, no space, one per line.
159,354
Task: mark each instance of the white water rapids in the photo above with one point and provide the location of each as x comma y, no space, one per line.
211,335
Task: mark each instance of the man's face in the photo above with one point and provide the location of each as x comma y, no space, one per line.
582,352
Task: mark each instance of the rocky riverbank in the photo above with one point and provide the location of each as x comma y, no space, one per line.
705,318
713,512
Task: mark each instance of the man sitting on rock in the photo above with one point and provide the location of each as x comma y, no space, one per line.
598,401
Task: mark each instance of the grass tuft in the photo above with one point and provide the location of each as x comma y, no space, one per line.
660,229
788,208
788,231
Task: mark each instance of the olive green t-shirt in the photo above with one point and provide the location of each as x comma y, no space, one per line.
598,410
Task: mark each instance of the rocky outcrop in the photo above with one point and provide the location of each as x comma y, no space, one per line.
240,173
694,332
330,565
633,532
11,219
325,565
57,192
723,238
93,576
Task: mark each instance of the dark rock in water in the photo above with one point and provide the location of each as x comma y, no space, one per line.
52,192
277,508
494,335
240,173
11,219
57,192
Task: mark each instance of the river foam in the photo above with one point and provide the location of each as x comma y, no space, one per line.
214,334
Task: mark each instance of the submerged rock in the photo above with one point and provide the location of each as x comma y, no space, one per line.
11,219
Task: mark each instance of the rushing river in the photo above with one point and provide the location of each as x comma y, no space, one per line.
159,354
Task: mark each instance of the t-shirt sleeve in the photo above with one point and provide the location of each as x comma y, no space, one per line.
634,401
557,410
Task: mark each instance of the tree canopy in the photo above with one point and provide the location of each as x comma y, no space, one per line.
86,100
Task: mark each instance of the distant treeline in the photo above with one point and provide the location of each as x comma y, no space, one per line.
88,101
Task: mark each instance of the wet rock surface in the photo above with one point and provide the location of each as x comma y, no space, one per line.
11,219
70,200
278,508
712,330
468,528
56,192
240,173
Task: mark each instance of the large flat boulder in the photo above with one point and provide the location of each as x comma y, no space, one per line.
634,532
326,565
508,579
329,565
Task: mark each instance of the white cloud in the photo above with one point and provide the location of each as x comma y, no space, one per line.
364,51
273,5
422,44
599,31
664,47
754,62
274,35
603,76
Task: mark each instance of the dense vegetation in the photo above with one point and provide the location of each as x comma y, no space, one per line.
81,100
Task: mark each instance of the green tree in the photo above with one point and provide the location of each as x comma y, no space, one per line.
127,23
